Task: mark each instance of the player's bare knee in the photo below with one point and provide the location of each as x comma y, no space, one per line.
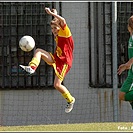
122,96
56,85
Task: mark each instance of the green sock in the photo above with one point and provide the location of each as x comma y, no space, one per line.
129,96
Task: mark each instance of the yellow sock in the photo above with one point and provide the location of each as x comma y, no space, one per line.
34,62
68,97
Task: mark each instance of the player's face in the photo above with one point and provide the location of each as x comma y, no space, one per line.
55,29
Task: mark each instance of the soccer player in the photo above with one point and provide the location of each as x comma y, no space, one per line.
126,91
62,58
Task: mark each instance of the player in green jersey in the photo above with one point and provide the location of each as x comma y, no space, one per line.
126,91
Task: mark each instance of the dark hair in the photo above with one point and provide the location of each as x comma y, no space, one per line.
130,22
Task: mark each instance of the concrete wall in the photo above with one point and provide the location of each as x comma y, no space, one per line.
38,107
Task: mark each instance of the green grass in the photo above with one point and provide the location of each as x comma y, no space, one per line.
73,127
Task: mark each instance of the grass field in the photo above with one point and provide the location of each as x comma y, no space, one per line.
122,127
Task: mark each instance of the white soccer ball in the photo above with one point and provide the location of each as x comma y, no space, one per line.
26,43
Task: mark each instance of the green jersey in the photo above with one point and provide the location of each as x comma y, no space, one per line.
130,54
128,83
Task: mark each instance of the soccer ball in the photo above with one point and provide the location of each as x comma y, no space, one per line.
26,43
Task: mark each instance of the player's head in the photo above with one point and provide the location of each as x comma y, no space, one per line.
130,24
55,26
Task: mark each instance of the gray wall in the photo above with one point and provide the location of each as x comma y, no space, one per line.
33,107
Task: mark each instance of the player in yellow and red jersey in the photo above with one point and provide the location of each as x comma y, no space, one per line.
61,60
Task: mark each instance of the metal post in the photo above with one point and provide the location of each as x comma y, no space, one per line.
114,48
92,59
49,44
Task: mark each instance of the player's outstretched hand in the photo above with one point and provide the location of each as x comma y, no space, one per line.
123,67
48,10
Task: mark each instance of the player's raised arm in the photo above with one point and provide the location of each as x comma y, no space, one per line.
125,66
54,11
60,18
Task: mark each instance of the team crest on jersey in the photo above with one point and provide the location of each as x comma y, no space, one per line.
130,44
59,51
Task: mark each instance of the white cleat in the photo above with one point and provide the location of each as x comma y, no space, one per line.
69,106
27,69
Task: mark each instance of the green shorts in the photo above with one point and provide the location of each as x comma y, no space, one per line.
127,85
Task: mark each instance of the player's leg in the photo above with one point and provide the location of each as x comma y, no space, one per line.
34,63
122,96
126,91
40,54
65,93
126,97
